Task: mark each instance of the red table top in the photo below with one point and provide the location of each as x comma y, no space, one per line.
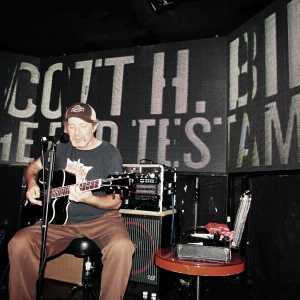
166,259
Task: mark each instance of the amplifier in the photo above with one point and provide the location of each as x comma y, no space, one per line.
154,187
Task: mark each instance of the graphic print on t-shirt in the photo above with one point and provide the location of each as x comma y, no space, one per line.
78,169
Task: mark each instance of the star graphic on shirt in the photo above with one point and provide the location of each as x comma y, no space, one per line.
78,169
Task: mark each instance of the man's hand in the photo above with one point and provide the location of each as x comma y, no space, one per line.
33,190
33,193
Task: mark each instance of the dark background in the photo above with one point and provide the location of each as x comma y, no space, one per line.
58,28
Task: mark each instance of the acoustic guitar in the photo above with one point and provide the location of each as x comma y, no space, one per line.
59,203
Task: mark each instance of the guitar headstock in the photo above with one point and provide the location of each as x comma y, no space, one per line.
118,182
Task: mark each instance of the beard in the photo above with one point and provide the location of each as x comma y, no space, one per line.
80,143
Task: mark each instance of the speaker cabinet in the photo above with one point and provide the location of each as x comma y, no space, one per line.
149,233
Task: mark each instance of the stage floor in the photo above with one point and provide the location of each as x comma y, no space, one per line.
230,288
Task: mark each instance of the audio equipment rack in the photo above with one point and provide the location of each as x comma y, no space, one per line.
154,188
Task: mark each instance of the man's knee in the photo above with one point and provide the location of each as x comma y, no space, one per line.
16,244
123,245
20,242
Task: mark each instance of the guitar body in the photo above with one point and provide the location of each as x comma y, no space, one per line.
58,207
58,210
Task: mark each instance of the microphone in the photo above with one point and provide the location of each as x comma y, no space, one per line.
63,138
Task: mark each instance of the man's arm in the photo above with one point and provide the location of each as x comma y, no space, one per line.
110,201
33,190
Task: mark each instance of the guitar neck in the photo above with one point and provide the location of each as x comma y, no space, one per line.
65,190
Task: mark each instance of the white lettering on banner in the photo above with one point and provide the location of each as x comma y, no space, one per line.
242,150
254,69
22,145
158,84
240,69
163,142
293,11
6,146
119,63
181,82
23,142
204,151
53,126
271,56
98,62
231,119
237,69
11,95
255,156
86,80
46,97
272,122
240,63
10,90
272,117
245,133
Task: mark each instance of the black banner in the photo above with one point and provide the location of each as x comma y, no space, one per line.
166,103
264,91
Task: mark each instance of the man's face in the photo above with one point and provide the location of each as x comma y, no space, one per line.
81,133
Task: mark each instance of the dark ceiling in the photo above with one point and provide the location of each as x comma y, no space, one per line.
54,28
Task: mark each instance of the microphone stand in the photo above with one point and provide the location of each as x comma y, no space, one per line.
196,200
47,199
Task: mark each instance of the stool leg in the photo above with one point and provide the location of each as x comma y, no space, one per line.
85,293
94,292
74,290
89,288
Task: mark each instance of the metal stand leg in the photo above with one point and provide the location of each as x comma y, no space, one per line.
198,288
5,276
87,288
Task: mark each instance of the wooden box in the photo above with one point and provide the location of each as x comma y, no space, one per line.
65,267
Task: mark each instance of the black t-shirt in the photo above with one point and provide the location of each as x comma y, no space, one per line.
86,165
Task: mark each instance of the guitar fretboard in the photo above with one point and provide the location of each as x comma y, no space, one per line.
65,190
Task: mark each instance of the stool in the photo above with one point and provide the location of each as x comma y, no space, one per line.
84,247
